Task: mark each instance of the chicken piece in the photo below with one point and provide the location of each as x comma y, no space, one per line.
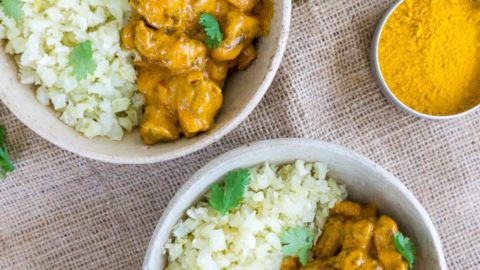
392,260
244,5
221,9
346,208
217,8
330,241
208,6
383,238
197,102
239,29
246,57
350,259
384,230
158,125
369,211
149,77
128,33
198,7
320,265
176,52
187,104
359,235
264,12
290,263
371,264
165,15
217,71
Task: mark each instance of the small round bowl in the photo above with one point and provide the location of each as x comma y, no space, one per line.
365,182
387,92
242,92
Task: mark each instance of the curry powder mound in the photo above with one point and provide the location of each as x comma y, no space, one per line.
430,55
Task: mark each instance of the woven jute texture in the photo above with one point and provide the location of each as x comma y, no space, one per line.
61,211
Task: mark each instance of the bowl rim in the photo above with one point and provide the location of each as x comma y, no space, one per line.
382,84
265,144
207,138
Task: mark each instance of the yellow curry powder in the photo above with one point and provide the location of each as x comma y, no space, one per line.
430,55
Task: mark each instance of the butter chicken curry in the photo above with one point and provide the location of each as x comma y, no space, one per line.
179,76
354,237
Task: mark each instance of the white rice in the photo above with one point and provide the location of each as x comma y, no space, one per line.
105,103
278,198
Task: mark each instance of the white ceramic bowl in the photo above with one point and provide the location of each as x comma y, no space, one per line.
365,182
243,91
387,92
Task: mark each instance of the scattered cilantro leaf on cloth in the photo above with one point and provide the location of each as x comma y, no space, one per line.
297,242
12,8
406,247
231,194
81,59
212,30
5,162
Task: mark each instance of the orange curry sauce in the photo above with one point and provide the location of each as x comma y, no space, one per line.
354,237
180,78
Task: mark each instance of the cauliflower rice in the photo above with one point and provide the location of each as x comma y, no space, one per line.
278,198
105,103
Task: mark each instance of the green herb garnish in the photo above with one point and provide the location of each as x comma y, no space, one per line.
12,9
81,59
231,195
297,242
405,247
212,30
5,162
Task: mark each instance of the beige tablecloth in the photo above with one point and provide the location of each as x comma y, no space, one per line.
61,211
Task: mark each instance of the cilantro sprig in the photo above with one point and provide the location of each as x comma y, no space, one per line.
212,30
231,194
12,8
81,59
405,247
297,242
5,162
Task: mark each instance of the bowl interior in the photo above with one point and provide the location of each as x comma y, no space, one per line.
387,92
242,93
365,182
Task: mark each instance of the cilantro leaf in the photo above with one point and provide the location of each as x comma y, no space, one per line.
231,195
5,162
12,8
296,242
81,59
212,30
405,247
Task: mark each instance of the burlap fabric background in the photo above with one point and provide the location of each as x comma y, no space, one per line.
60,211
